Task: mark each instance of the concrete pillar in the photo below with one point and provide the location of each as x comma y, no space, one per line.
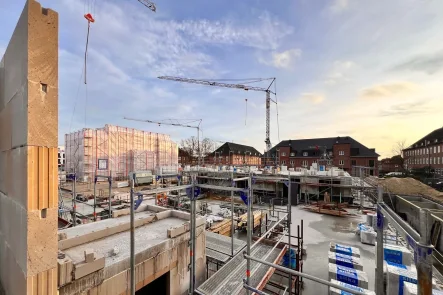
28,155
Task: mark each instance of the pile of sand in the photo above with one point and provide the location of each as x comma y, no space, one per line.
407,186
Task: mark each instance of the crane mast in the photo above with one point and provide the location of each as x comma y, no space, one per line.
238,86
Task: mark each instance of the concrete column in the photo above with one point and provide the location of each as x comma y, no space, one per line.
28,155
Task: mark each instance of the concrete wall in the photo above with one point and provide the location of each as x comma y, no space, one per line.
28,154
174,260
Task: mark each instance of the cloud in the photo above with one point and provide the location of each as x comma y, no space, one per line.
406,109
313,98
339,5
429,64
282,60
395,89
339,72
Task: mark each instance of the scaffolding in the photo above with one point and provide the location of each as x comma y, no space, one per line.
116,151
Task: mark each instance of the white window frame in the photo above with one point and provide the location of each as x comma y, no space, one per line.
438,149
283,162
341,162
305,154
304,163
291,162
341,153
283,154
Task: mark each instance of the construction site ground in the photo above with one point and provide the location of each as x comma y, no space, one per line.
319,231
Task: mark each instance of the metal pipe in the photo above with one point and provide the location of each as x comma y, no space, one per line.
289,230
95,198
379,285
249,232
232,216
303,275
74,199
192,240
249,289
241,178
423,256
110,192
399,223
132,258
267,232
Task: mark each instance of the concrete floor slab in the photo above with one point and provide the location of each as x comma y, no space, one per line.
319,231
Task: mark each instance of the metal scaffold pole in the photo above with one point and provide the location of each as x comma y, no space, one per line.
74,203
132,260
95,198
423,256
192,240
379,279
232,215
250,229
110,193
289,231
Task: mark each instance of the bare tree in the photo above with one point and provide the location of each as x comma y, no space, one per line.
397,151
191,146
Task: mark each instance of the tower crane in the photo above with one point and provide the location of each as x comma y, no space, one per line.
238,86
148,4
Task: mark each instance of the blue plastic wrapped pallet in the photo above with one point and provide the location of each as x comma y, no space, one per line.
344,249
293,259
348,275
335,291
396,254
411,289
345,260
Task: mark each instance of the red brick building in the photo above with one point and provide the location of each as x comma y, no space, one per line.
394,164
426,152
343,152
235,154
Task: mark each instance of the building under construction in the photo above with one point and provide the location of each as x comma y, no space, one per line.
118,150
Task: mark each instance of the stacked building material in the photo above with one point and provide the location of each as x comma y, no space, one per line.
396,277
345,260
348,275
397,254
243,219
335,291
346,269
344,249
411,289
222,227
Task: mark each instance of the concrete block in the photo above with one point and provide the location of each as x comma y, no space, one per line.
83,269
62,236
335,291
64,268
344,249
348,275
176,231
397,254
42,240
121,212
89,255
411,289
396,277
163,215
18,172
18,108
368,237
16,58
5,128
345,260
181,214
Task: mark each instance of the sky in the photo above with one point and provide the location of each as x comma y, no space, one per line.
372,70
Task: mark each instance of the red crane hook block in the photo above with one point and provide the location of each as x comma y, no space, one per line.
89,17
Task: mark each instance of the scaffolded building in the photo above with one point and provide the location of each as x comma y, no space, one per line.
116,151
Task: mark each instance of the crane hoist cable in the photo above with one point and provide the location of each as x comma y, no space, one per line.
246,111
90,20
